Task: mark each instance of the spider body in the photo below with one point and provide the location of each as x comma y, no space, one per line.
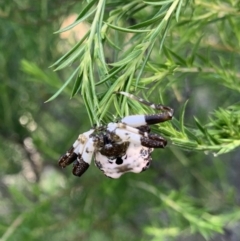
120,147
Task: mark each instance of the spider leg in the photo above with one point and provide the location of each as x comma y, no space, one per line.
83,161
79,166
140,120
71,155
144,128
76,154
154,141
130,134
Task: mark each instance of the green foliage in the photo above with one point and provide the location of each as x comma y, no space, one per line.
127,67
134,55
184,54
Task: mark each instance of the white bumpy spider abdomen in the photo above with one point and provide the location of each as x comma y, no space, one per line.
136,159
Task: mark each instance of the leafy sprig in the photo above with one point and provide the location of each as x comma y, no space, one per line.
125,71
134,67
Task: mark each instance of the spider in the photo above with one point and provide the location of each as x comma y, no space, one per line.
120,147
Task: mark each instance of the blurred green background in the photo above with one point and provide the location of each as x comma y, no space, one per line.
183,196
